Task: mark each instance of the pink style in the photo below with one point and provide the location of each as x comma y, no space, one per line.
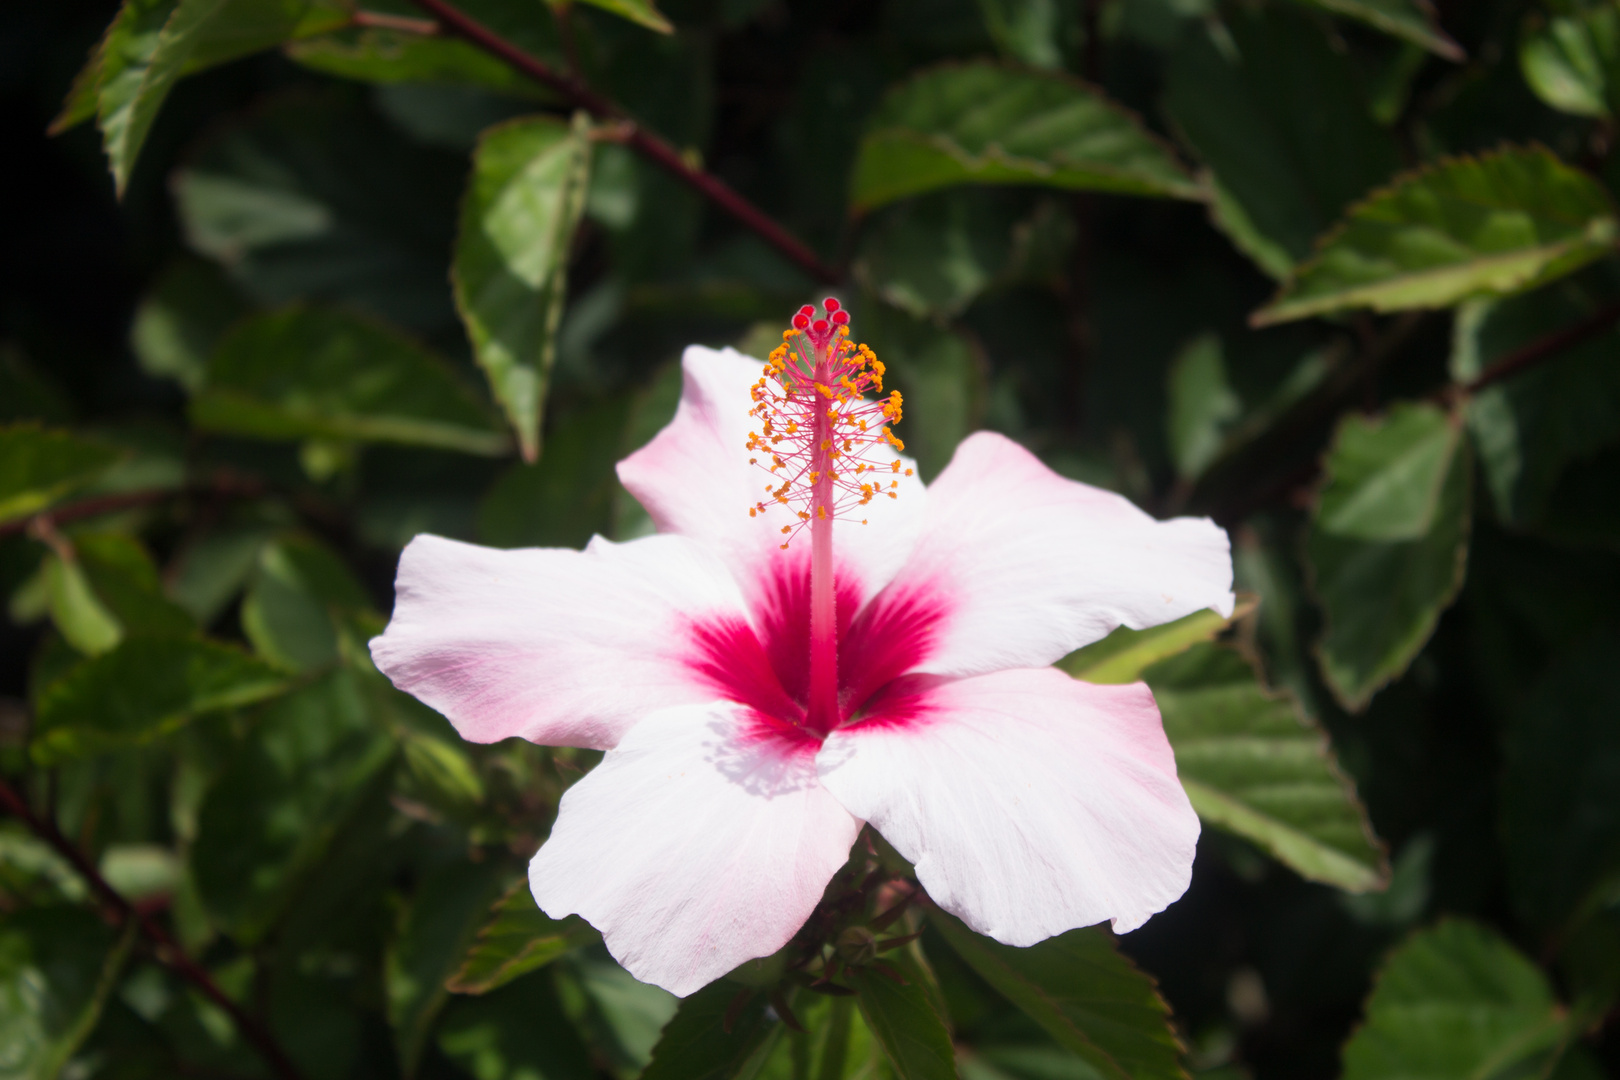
759,703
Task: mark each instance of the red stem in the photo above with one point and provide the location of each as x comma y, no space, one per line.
631,134
167,949
823,705
1544,347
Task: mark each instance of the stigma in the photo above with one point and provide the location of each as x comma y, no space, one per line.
824,436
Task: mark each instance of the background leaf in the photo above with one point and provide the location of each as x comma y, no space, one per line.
1388,543
1493,225
38,466
983,124
516,938
517,224
57,967
719,1033
1572,61
906,1024
1410,19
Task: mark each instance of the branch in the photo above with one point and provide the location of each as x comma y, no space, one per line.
1542,349
131,500
168,950
454,21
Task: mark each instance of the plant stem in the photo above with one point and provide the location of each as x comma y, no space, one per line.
167,949
661,153
823,705
1544,348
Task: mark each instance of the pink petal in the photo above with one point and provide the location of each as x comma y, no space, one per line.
1030,803
1026,566
703,841
694,479
566,648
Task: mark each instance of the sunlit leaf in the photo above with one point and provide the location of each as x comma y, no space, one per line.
1125,654
1413,20
80,616
1572,61
983,124
1085,993
1491,225
1253,765
516,939
39,465
1457,1001
318,373
144,688
511,262
1388,543
642,12
1277,117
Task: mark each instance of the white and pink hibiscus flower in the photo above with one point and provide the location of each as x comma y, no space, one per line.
759,702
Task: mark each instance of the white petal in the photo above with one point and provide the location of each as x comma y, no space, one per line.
703,841
562,647
1029,802
694,479
1026,566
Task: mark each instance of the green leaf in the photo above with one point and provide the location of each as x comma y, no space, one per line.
1412,20
394,57
1528,430
153,43
979,123
1253,765
81,618
1457,1001
517,1032
940,373
1203,406
1275,114
1491,225
105,585
1027,30
641,12
1085,993
210,570
1572,61
621,1017
1125,654
905,1023
318,373
57,967
699,1044
567,496
433,935
1560,819
142,690
310,197
510,270
273,812
516,939
180,321
296,608
39,465
1388,543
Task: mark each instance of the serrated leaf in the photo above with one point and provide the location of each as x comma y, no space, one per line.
153,43
1412,20
640,12
1491,225
1528,430
393,57
1124,654
1572,61
141,690
318,373
510,269
1087,996
1457,1001
1388,543
980,123
1277,118
905,1022
40,465
1254,765
434,932
1560,817
57,967
699,1044
309,197
272,813
516,939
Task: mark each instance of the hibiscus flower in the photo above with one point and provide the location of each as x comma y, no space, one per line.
760,697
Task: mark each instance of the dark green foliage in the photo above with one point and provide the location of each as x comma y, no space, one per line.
356,276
